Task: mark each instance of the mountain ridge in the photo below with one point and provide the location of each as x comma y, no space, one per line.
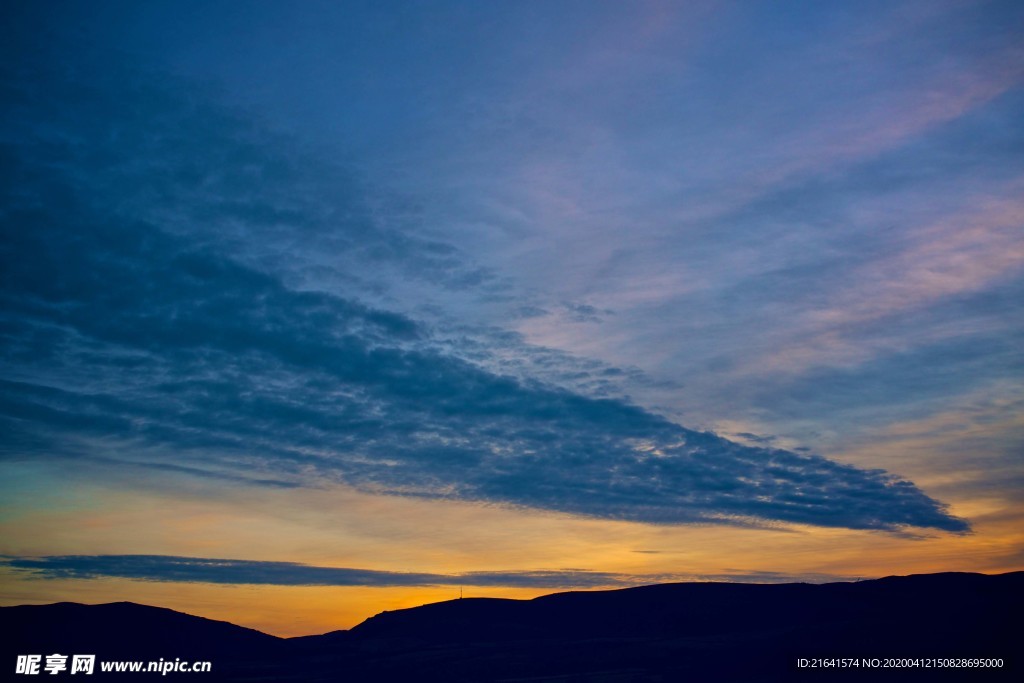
659,632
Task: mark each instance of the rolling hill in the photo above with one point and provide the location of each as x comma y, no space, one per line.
667,632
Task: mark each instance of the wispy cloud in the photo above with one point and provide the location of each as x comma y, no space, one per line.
128,325
222,571
957,256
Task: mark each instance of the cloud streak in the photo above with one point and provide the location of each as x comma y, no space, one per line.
221,571
168,568
131,331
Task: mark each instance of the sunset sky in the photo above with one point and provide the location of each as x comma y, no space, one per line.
314,309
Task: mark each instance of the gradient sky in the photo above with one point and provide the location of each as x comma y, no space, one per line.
310,310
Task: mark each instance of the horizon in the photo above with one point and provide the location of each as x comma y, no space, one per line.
312,310
485,597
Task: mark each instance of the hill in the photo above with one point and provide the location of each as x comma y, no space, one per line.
667,632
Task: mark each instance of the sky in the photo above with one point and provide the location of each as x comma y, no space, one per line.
311,310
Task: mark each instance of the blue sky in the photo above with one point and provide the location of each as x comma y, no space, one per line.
751,266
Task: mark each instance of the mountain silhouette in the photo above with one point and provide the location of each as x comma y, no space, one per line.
125,630
666,632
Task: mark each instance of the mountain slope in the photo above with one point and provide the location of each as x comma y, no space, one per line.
668,632
125,629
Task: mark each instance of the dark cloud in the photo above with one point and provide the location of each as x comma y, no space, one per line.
209,570
747,436
138,317
741,576
530,311
584,313
507,353
225,571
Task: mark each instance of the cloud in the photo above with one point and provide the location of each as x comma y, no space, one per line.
740,576
134,330
222,571
977,251
747,436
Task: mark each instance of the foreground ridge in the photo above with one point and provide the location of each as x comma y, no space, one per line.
663,632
